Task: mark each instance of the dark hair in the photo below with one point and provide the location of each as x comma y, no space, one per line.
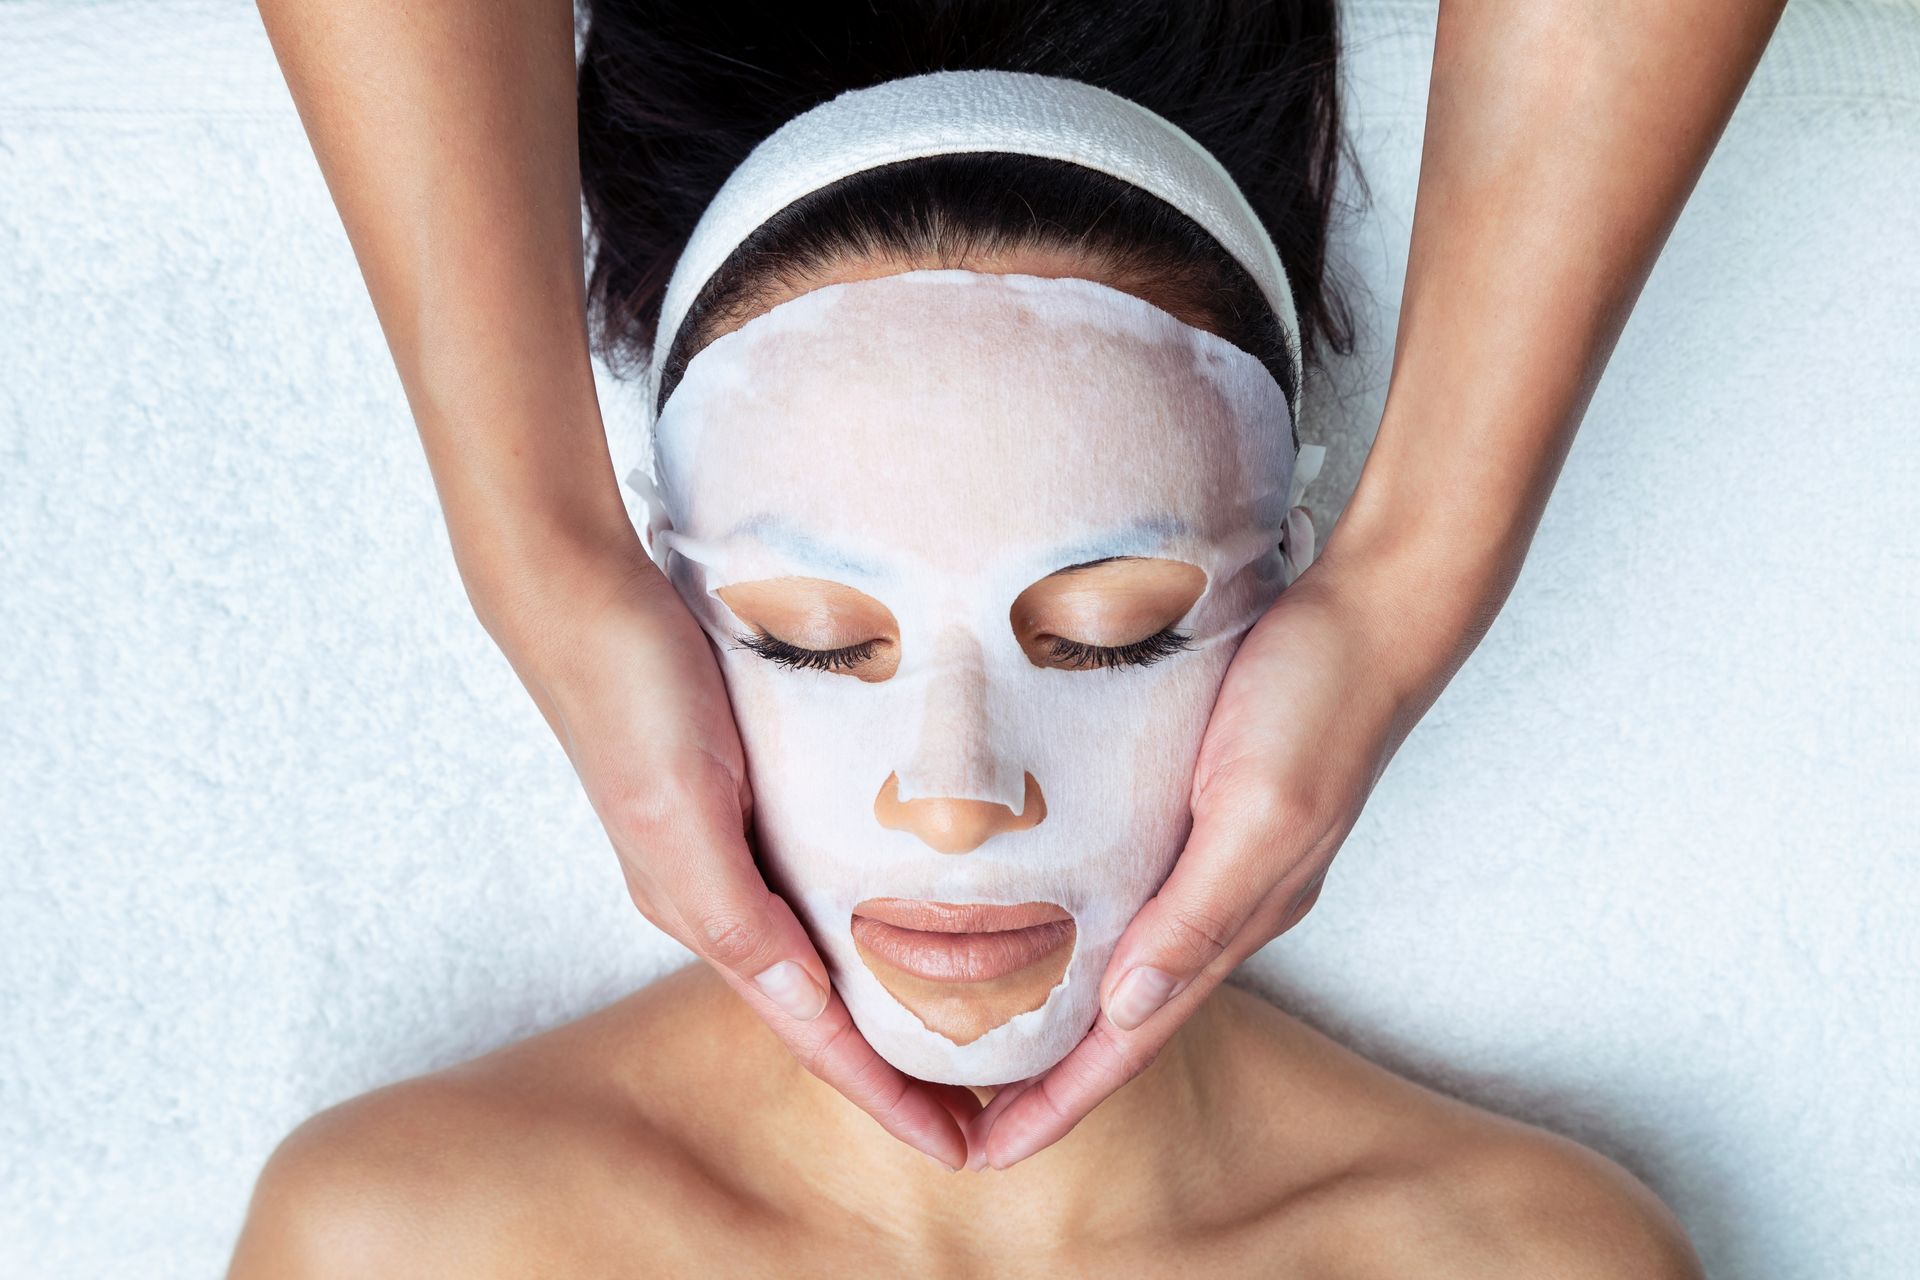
675,93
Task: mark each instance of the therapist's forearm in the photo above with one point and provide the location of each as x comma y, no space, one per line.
446,131
1562,140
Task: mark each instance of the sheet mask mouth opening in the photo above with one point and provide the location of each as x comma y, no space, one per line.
964,969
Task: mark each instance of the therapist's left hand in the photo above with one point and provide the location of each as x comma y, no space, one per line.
1315,702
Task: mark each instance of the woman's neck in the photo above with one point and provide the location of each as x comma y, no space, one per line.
1159,1152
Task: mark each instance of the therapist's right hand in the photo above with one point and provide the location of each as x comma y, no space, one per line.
629,684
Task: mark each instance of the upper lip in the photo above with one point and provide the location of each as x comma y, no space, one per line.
959,942
949,917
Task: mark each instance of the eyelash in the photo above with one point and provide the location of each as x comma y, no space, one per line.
1141,653
774,649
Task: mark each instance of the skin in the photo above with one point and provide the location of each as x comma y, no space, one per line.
1561,143
672,1134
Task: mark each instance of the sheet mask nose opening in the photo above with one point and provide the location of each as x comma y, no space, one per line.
948,825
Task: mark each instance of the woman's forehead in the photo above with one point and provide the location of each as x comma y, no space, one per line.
971,424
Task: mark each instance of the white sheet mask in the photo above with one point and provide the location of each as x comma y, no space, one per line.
941,441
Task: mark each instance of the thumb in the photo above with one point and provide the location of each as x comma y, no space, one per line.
731,919
1197,925
690,869
757,940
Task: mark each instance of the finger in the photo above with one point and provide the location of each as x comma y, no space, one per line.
766,959
929,1118
1227,870
1106,1059
1048,1109
1209,916
726,914
749,932
982,1124
962,1105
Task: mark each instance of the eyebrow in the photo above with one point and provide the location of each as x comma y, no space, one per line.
783,536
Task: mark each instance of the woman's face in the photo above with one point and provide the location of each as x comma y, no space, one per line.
976,550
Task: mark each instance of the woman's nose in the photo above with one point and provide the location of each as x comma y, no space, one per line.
957,791
947,824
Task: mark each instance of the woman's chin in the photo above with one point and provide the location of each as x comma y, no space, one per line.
964,969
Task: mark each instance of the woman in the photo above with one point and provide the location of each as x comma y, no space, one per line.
1018,611
1561,142
972,653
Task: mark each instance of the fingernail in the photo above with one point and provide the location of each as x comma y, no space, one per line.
789,986
949,1168
1139,996
1012,1153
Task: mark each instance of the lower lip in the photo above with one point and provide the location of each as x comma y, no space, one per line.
961,957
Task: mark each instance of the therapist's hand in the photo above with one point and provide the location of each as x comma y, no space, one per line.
1561,143
1315,702
448,136
626,678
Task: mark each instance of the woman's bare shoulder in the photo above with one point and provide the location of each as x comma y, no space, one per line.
477,1169
1419,1183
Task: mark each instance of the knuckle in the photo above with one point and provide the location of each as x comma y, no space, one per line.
728,938
638,815
1124,1057
1276,810
649,808
1199,933
818,1058
874,1087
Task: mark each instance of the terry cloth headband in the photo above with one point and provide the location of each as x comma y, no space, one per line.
962,112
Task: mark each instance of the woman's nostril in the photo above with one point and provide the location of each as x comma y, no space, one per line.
949,824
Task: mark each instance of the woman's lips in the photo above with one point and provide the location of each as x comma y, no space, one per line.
973,942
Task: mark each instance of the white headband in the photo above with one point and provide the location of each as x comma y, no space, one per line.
960,112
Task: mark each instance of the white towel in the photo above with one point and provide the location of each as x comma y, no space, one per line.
278,825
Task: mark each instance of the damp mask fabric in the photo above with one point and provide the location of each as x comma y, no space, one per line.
941,441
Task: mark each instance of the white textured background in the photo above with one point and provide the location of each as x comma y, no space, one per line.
278,824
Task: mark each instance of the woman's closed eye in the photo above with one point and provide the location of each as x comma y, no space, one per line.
774,649
1077,655
1107,614
812,624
